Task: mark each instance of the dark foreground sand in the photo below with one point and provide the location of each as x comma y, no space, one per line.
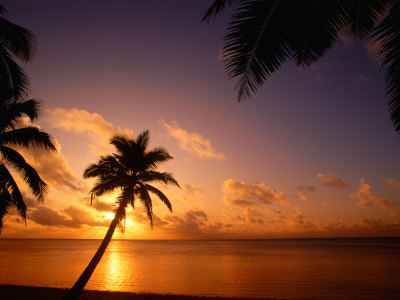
16,292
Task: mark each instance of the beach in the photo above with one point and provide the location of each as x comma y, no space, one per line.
16,292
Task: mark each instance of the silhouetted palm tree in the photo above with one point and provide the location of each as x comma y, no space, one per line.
19,42
263,34
27,137
130,171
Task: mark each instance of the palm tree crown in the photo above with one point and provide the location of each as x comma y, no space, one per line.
26,137
130,171
263,34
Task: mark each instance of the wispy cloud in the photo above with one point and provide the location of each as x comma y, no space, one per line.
393,182
248,194
332,180
83,122
306,188
365,198
72,217
302,197
191,142
53,167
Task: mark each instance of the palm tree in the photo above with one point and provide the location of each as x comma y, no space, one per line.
129,171
19,42
26,137
263,34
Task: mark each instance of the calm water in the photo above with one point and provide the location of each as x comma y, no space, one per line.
326,268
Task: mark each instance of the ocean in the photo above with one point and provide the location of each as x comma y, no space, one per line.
300,268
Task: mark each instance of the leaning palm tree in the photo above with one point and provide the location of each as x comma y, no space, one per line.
26,137
130,171
263,34
15,42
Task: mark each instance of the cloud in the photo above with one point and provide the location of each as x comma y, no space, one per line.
52,167
394,182
346,38
191,189
365,197
293,222
252,216
72,217
240,202
97,204
332,180
81,121
193,142
301,197
306,188
246,194
362,78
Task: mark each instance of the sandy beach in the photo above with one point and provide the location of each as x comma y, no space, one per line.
16,292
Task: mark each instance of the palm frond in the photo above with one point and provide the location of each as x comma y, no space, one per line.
387,34
156,156
10,112
14,82
11,192
3,10
27,137
18,40
310,28
216,8
254,46
363,15
160,195
155,176
6,203
143,140
29,174
145,199
121,143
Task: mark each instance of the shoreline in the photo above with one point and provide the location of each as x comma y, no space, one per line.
22,292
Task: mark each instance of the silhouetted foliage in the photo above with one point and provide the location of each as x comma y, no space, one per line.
15,42
130,171
263,34
11,136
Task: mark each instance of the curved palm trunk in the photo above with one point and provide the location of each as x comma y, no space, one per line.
76,290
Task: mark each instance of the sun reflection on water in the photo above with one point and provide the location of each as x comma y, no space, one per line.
114,271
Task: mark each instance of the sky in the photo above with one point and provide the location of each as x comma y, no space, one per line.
312,154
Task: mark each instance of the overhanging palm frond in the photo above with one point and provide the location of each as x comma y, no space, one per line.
255,46
6,203
160,195
3,10
362,15
11,193
14,82
27,137
310,28
387,34
216,8
10,112
29,174
18,40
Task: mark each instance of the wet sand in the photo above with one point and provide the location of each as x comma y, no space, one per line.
16,292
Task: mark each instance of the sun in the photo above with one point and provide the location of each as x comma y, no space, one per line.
109,215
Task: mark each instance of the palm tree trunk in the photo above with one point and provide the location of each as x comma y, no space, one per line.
76,290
